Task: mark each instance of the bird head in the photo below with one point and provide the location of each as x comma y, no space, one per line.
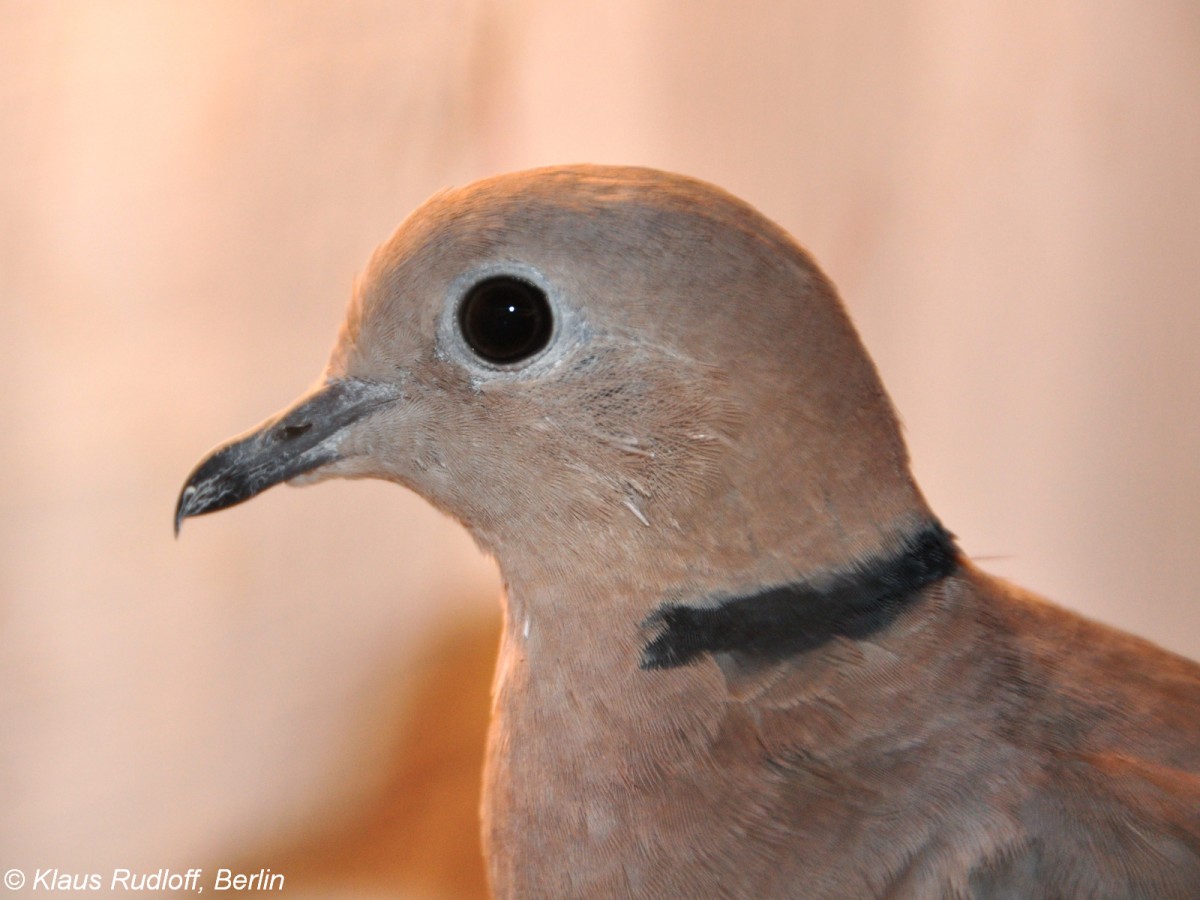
611,367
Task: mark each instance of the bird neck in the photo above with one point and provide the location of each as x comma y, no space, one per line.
586,738
606,626
776,622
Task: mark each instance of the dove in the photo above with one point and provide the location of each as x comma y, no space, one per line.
741,657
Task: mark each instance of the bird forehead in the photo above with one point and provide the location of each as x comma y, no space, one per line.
593,251
649,256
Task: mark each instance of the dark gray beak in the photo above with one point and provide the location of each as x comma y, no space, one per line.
289,444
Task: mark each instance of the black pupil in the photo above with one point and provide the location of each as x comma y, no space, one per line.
505,319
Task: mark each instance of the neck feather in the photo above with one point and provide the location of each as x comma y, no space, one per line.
782,621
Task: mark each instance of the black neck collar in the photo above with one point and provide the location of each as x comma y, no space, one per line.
781,621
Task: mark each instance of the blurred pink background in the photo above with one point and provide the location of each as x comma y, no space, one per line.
1008,196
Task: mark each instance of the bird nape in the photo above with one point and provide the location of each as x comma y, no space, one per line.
741,656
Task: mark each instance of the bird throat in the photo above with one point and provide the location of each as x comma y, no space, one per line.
789,619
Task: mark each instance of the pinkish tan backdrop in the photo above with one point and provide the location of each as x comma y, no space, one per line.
1008,195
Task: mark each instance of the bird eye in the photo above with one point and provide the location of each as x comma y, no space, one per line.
505,320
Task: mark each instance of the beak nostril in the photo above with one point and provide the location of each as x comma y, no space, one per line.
288,432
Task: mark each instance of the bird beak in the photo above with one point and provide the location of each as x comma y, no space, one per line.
294,442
